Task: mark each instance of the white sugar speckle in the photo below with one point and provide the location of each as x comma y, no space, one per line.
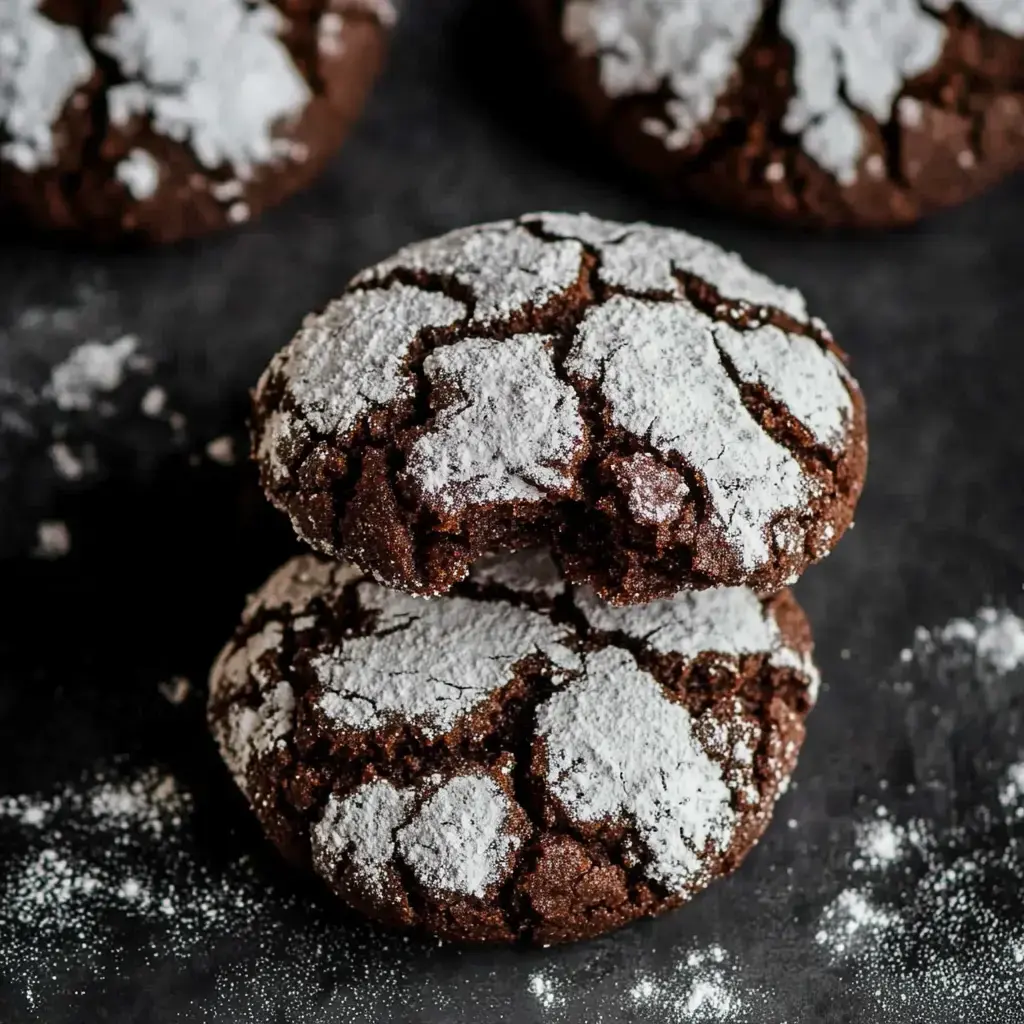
645,258
361,827
53,539
454,842
993,640
139,172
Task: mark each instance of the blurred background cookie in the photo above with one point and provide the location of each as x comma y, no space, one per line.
826,112
167,118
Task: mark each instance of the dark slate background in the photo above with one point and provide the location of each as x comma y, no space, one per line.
462,130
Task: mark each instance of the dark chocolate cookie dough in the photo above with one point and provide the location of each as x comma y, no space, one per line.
166,118
828,112
637,398
516,760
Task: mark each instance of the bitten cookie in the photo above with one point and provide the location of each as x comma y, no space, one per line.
166,118
516,760
829,112
635,397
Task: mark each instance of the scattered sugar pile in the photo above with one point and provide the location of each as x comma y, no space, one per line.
991,644
933,916
702,987
91,867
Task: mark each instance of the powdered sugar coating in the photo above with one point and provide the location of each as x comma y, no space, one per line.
689,47
645,258
852,55
361,827
42,64
247,732
413,822
184,61
458,840
796,372
617,747
727,620
660,371
514,435
139,173
430,663
503,266
351,357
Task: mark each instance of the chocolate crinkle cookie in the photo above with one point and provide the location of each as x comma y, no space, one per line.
166,118
638,399
517,760
829,112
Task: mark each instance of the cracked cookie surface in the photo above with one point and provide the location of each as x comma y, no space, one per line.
127,117
830,112
517,761
637,398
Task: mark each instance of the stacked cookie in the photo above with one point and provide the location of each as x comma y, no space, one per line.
602,450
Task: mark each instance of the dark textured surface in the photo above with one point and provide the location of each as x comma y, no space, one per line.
163,552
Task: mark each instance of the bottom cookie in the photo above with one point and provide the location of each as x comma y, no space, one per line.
517,760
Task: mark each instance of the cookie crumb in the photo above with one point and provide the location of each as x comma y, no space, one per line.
68,464
53,539
175,690
154,401
221,450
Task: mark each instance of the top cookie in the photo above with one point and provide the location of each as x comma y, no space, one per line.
866,112
165,118
637,398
